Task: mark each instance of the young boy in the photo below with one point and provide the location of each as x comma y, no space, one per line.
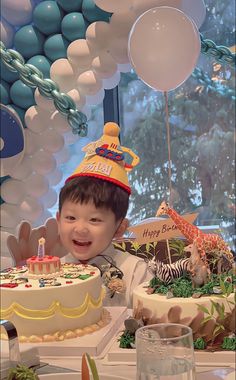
92,208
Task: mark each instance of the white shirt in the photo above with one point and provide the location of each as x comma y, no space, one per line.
134,269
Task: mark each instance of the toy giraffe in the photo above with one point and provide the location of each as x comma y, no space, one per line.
206,243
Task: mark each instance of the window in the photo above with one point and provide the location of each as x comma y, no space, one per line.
202,125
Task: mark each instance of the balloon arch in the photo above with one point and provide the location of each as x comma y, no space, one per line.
83,46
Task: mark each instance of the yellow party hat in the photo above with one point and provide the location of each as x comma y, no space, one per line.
104,159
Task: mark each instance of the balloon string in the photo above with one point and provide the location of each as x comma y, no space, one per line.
168,143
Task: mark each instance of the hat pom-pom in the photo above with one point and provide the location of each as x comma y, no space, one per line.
111,129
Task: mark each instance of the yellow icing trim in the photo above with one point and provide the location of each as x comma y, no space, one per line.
54,308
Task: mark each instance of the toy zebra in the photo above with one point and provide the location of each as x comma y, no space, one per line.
169,272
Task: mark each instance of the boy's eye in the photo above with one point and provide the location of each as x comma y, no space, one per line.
95,220
70,217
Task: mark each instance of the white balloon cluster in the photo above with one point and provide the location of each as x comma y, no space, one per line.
29,192
93,64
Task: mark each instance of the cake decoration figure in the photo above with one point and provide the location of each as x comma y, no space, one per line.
206,243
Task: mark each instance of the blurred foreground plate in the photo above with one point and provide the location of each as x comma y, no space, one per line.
77,376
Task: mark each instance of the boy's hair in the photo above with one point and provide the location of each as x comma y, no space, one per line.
102,193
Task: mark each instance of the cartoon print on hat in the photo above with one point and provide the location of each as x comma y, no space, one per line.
105,159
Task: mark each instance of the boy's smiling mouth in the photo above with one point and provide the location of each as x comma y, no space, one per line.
82,243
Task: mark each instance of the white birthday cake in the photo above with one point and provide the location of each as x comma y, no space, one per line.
158,308
48,301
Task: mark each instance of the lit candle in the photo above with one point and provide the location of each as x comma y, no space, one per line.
41,247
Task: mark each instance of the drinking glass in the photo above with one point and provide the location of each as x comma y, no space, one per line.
165,351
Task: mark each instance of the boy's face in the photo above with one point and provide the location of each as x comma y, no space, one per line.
86,231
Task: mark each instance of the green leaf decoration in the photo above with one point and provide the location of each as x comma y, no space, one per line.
21,372
229,343
222,286
148,246
199,344
229,289
205,320
203,308
84,276
217,330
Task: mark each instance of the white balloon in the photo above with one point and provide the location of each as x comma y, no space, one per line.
62,156
4,248
98,34
114,5
37,119
119,50
31,142
62,73
51,140
30,209
9,215
87,111
22,170
121,23
43,162
49,199
59,122
36,185
7,33
17,12
177,47
70,138
42,219
78,98
195,9
104,65
88,83
12,191
80,54
139,6
124,67
54,177
93,100
43,102
112,82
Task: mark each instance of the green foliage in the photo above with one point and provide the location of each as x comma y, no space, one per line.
21,372
229,343
177,246
182,287
217,310
126,339
199,344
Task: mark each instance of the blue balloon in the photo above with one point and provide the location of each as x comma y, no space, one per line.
12,140
47,17
22,95
42,63
20,112
4,92
71,5
8,75
29,41
55,47
92,13
74,26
